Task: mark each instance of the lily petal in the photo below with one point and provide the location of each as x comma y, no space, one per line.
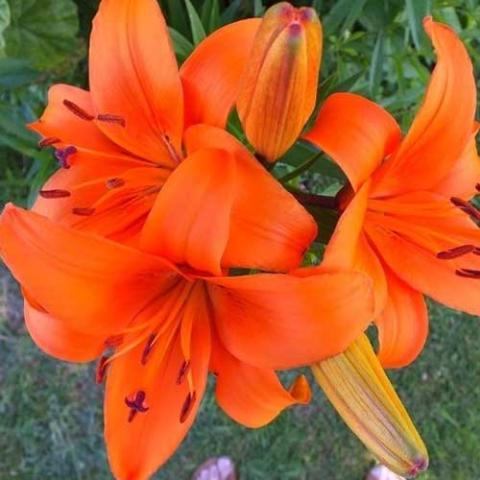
59,122
419,268
269,229
57,339
403,326
443,125
137,448
134,77
464,176
211,75
297,320
252,396
96,286
190,220
356,133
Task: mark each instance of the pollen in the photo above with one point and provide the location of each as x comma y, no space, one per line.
148,348
56,193
187,406
456,252
113,183
109,118
466,207
184,369
468,273
101,371
78,111
83,211
48,142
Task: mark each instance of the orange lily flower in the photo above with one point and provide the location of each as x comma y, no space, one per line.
280,82
119,142
408,221
170,313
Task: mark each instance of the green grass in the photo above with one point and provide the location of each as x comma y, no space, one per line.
51,421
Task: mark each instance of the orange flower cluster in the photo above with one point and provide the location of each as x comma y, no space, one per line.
163,248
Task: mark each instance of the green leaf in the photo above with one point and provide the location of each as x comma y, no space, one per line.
258,8
210,15
231,12
342,12
182,46
416,12
4,23
42,31
177,17
376,67
198,32
16,72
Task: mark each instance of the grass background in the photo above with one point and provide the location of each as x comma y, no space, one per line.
50,412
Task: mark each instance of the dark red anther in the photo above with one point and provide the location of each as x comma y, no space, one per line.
187,406
114,341
109,118
101,369
476,251
78,111
148,348
62,155
455,252
184,369
56,193
137,404
48,142
468,273
83,211
477,186
115,183
466,207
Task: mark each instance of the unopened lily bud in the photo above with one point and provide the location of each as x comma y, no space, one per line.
279,85
359,389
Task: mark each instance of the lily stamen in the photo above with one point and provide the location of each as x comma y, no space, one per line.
187,406
62,155
148,348
55,193
184,370
48,142
466,207
109,118
468,273
83,211
113,183
137,404
456,252
101,369
78,111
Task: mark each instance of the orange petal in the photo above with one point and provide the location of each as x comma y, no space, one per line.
464,176
269,229
57,339
419,268
252,396
279,86
356,133
403,326
134,76
211,75
282,321
137,448
443,125
61,123
189,223
96,286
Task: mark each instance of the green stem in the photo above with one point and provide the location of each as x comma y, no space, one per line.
311,199
300,169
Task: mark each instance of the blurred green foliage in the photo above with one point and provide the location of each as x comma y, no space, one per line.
373,47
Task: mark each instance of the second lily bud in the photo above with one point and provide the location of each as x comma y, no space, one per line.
279,86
